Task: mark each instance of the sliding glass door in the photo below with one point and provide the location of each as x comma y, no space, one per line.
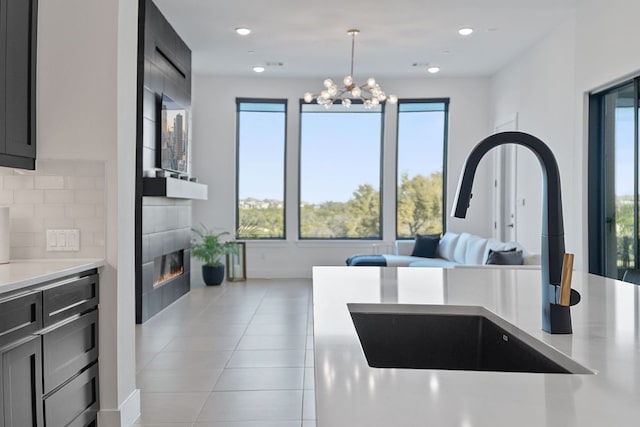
614,181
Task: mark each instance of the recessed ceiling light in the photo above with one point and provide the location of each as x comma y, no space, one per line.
465,31
258,68
433,69
243,31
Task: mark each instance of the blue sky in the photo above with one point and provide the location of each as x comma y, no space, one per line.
261,175
340,152
624,156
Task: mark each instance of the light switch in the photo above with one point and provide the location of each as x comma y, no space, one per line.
73,240
52,242
63,240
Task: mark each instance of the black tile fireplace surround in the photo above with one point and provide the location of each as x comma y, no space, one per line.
163,224
166,229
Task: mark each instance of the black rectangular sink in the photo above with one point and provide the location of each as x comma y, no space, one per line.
451,337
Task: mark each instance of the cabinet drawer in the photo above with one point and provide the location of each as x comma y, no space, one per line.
68,349
76,403
64,299
20,316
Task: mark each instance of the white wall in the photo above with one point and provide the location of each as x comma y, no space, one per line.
539,87
214,136
606,53
548,87
86,104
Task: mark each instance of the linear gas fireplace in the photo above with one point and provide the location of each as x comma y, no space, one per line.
167,267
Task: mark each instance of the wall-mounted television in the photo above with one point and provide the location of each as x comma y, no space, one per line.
174,136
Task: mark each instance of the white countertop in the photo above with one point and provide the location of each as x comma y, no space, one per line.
605,339
23,273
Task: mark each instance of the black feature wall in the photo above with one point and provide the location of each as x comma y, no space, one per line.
163,225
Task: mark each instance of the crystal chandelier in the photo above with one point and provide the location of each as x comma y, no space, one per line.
369,93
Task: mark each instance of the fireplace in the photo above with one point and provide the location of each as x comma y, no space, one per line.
164,255
167,267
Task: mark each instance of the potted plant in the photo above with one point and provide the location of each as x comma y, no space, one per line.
211,249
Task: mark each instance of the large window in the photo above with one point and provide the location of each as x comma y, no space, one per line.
422,136
340,172
260,168
614,218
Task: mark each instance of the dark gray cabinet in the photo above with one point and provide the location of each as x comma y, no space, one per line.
20,316
49,354
76,403
18,28
21,360
22,384
67,298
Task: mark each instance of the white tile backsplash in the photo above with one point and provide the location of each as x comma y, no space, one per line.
48,210
80,211
21,211
59,223
22,240
33,197
49,182
89,196
79,183
60,194
6,196
18,182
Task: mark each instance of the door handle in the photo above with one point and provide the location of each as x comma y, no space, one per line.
510,225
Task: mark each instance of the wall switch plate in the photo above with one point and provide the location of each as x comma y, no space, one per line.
63,240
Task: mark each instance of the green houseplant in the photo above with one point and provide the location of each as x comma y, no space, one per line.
210,248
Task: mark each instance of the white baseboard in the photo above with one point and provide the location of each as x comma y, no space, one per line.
124,416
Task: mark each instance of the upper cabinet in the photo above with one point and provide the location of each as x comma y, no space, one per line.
18,25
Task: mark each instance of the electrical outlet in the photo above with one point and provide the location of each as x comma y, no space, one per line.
63,240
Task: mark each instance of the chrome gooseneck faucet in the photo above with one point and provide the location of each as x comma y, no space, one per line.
552,224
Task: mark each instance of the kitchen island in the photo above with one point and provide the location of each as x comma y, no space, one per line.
605,339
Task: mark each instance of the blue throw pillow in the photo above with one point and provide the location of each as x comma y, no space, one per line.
426,246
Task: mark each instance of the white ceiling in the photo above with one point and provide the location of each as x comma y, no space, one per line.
309,37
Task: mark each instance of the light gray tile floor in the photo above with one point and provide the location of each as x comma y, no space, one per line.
237,355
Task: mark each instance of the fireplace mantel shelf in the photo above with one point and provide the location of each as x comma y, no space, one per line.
174,188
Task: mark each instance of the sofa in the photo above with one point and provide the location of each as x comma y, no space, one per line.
450,251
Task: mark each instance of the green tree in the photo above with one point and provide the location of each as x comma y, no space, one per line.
420,205
364,212
624,223
326,220
264,222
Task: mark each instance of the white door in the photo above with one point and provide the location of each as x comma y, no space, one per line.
505,184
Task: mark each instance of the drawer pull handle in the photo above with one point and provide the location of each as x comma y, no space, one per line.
15,328
67,307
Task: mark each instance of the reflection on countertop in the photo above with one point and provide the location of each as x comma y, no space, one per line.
606,339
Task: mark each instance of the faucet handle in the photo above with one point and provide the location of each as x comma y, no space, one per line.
565,283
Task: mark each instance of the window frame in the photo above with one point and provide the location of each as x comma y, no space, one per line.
596,201
382,112
285,103
445,149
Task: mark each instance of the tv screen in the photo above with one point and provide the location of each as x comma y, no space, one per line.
174,136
